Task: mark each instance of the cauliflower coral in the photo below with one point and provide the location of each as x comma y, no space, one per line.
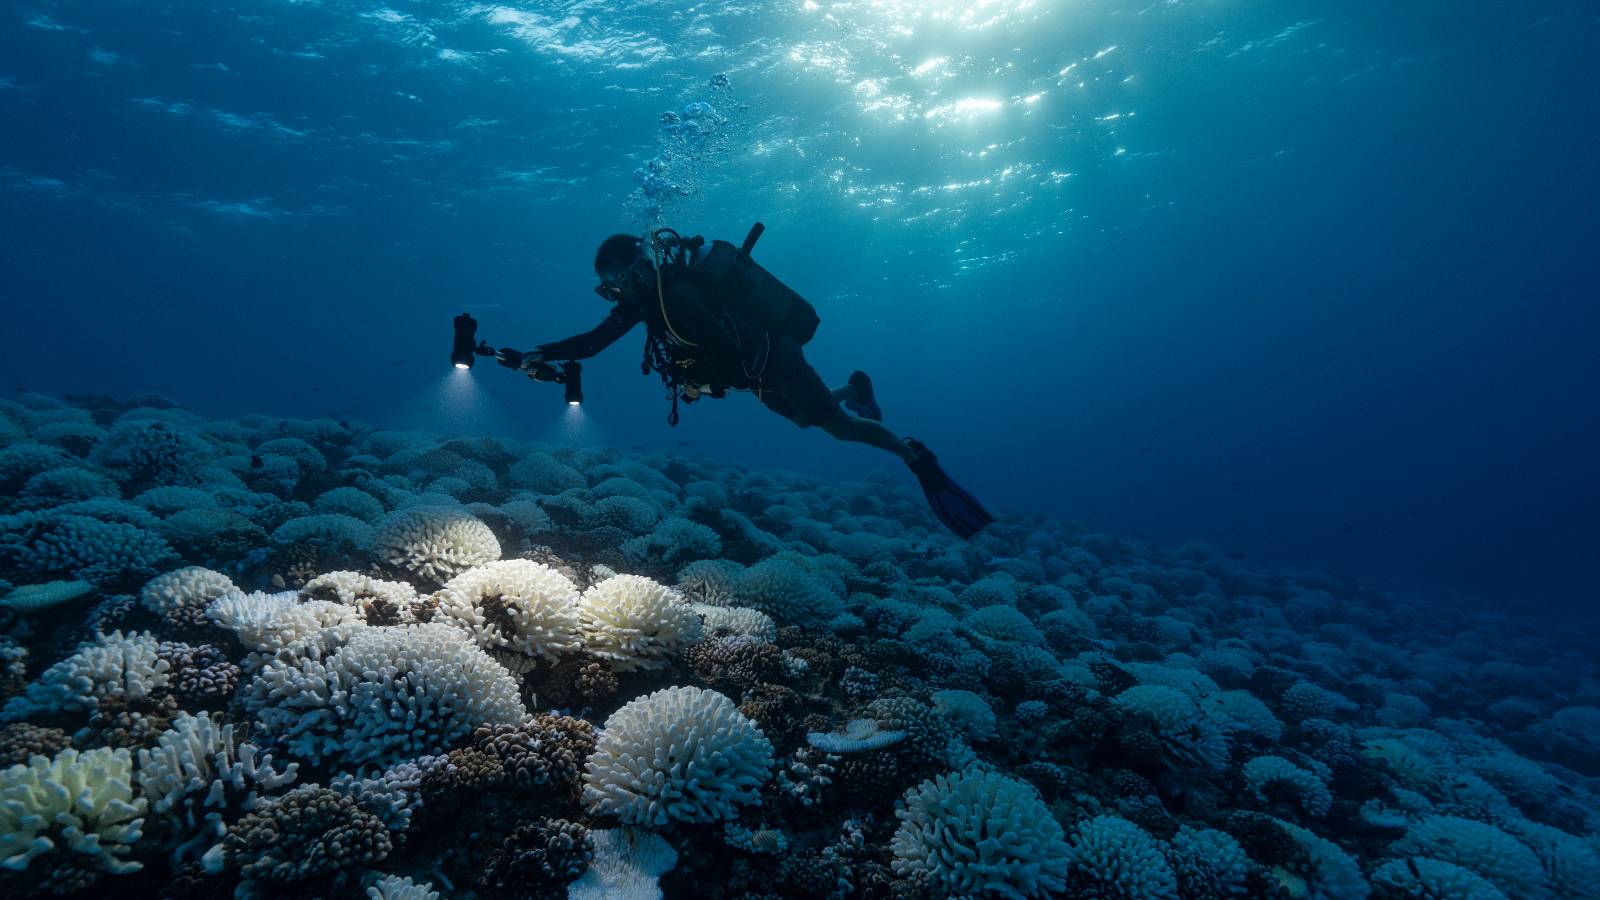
681,753
980,833
434,543
636,623
516,605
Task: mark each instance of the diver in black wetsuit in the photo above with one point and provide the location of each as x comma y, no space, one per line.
705,336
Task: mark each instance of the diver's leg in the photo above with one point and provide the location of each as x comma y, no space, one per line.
846,427
858,397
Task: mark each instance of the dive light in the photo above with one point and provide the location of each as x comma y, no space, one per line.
572,378
466,342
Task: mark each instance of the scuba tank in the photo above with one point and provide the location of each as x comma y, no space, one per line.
743,287
740,289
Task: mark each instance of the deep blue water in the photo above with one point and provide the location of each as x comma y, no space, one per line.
1313,282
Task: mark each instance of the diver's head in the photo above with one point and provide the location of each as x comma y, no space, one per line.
622,266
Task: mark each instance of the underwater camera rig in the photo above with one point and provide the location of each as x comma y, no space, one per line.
568,374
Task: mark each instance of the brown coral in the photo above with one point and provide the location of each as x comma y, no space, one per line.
309,831
21,740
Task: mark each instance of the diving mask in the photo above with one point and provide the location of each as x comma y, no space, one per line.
614,287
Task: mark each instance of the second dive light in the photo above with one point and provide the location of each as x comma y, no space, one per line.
572,378
465,346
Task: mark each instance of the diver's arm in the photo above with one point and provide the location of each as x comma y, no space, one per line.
616,324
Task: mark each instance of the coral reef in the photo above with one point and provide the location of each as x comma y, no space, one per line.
270,657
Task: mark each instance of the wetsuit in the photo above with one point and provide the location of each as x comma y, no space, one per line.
717,350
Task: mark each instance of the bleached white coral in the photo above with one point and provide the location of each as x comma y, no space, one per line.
681,753
1330,873
999,624
67,484
61,542
710,581
111,665
967,711
1209,864
628,864
785,591
198,775
674,539
394,887
858,736
189,586
375,599
631,514
1432,879
387,695
1186,736
350,501
1112,857
434,543
980,833
1571,864
1263,772
732,620
544,473
1497,856
272,622
1242,711
81,801
635,623
516,605
324,530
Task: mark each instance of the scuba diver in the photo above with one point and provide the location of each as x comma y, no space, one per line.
716,321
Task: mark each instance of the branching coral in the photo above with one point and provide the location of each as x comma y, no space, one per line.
1183,733
72,818
200,778
683,754
273,622
111,665
980,833
387,695
1265,775
736,620
627,865
515,605
1497,856
309,831
968,712
1112,857
189,586
379,602
434,543
538,860
635,623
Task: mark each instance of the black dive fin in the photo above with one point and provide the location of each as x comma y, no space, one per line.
958,510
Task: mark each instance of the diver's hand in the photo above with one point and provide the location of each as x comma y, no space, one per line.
516,359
